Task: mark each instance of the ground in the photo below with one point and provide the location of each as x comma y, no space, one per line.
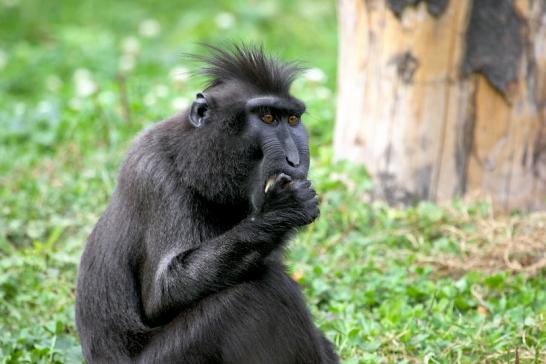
80,79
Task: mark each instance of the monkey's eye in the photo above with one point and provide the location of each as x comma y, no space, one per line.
267,118
293,120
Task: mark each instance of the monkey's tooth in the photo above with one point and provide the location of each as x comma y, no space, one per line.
269,183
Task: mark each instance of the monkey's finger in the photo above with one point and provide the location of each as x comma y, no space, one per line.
312,208
282,180
305,194
303,183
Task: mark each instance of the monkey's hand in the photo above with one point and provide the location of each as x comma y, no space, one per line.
291,203
191,271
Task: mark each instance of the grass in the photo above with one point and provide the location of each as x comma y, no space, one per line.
78,80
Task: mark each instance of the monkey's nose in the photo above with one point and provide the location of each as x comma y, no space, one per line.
291,152
293,163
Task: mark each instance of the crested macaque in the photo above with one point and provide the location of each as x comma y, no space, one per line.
186,263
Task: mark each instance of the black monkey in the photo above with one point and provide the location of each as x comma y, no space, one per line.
185,265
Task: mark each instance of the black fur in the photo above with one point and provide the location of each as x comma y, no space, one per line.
250,65
185,265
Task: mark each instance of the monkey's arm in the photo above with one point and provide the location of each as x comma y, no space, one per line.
182,276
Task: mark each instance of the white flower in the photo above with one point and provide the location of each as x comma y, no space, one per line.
126,63
157,92
76,104
225,20
45,107
130,45
3,58
149,28
20,109
81,73
179,103
53,83
10,3
107,98
161,90
179,75
315,75
323,93
85,86
150,99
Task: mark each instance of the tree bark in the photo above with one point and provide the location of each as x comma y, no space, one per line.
443,98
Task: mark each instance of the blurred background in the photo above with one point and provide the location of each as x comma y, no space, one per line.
439,275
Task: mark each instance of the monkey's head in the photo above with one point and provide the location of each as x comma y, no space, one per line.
247,125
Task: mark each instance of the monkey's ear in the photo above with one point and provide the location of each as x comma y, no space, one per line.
199,111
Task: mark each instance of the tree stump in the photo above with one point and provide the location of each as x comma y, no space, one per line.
443,98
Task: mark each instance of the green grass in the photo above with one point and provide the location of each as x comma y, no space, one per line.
64,128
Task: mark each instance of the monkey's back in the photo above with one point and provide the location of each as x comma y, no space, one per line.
108,317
